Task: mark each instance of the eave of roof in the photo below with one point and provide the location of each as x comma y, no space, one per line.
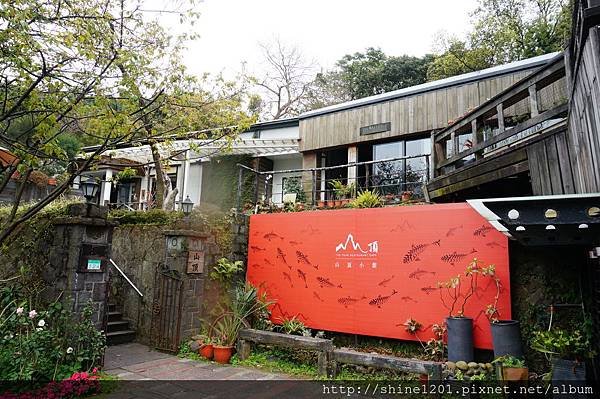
435,85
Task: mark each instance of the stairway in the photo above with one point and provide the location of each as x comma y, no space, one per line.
117,329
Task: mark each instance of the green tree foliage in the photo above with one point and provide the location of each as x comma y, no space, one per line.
504,31
101,72
365,74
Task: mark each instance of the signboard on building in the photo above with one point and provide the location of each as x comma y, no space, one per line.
367,271
195,262
376,128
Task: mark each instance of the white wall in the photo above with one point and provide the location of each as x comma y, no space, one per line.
195,182
284,162
290,132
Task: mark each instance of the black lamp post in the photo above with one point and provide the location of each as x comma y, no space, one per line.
90,189
186,206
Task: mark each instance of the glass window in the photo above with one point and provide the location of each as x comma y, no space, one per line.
394,177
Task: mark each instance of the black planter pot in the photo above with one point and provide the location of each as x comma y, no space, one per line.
460,339
506,336
569,373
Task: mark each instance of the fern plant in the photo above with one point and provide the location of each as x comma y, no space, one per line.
367,199
225,269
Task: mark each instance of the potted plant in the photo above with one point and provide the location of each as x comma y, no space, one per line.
506,334
339,189
367,199
511,368
460,327
206,348
347,193
567,350
226,327
406,196
246,304
321,204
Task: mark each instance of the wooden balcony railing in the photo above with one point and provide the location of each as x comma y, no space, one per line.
485,131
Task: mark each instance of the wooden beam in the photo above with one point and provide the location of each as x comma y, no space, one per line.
482,179
286,340
533,102
348,356
506,134
500,116
475,169
545,76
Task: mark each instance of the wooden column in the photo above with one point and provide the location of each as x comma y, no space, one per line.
352,157
533,103
500,116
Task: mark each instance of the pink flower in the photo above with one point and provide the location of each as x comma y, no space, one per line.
32,314
20,310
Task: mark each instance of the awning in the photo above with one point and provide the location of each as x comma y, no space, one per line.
572,219
204,149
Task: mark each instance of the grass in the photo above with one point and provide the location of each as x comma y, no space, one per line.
303,364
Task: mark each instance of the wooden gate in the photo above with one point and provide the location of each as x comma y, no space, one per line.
166,309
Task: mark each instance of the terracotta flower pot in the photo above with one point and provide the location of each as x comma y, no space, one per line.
206,351
337,203
222,354
515,373
406,197
321,204
345,201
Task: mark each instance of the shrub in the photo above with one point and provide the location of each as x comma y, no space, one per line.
150,217
367,199
225,269
44,345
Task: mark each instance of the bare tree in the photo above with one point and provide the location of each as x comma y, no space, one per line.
286,80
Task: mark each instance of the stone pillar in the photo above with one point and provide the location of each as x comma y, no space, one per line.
79,260
190,253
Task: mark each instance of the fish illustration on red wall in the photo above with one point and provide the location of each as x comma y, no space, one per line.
281,255
384,283
271,236
456,257
325,282
348,300
415,250
380,300
418,273
302,276
288,278
482,231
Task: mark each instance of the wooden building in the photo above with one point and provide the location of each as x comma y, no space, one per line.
401,123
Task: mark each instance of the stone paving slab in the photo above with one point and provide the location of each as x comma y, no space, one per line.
145,373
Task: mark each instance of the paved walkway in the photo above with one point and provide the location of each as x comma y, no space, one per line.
138,362
147,374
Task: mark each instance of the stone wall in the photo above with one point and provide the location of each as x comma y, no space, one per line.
141,251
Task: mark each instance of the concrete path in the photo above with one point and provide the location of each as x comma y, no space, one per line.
138,362
144,373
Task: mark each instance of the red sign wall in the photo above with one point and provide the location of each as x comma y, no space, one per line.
366,271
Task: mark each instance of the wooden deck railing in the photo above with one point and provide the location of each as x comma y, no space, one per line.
490,118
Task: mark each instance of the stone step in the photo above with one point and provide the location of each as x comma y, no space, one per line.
120,337
112,307
115,316
119,325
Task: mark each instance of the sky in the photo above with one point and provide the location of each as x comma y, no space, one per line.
324,30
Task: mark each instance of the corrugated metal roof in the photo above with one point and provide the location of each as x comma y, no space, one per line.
435,85
206,148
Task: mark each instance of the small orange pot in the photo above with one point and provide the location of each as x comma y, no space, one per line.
321,204
337,203
222,354
515,373
206,351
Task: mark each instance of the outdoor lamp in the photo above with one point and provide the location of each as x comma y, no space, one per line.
89,188
187,205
